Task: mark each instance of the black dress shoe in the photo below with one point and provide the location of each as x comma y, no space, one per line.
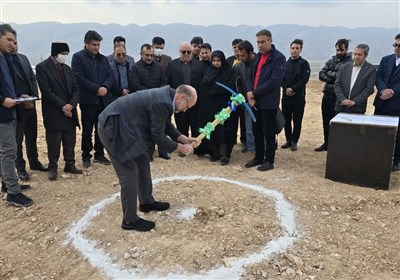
23,175
224,161
72,169
286,145
293,147
265,166
396,166
164,156
101,159
321,148
39,167
214,158
253,162
53,174
86,162
156,206
140,225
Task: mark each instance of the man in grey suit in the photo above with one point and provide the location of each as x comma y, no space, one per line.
355,83
126,127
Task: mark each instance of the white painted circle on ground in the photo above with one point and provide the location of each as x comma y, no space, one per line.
100,259
187,213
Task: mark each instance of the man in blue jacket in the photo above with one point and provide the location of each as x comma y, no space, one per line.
8,145
95,79
387,100
263,85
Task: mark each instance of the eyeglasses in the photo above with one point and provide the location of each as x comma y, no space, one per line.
187,107
186,52
396,45
121,54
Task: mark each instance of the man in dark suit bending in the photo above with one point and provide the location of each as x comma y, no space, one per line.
126,127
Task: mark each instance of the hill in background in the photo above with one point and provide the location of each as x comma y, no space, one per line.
35,38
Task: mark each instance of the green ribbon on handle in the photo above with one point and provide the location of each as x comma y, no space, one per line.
239,99
222,116
207,130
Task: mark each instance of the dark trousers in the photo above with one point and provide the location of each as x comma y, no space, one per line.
134,177
242,123
26,126
264,130
54,139
89,118
186,120
385,111
293,110
328,113
151,149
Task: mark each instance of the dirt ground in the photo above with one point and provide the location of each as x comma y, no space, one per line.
342,231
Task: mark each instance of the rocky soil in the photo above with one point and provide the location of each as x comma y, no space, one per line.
342,231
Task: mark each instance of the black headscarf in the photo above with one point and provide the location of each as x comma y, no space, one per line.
213,72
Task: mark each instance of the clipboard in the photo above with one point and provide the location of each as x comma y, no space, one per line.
28,99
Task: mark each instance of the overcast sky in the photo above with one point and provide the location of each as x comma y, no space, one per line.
348,13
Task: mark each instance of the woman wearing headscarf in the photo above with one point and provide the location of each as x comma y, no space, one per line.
212,100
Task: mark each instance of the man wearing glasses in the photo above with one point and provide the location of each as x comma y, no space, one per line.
126,127
146,74
121,40
387,100
121,69
186,70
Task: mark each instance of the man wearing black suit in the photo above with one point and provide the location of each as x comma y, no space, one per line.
186,70
355,83
60,95
387,100
26,86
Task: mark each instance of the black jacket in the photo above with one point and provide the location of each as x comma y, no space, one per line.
145,76
6,114
329,72
296,77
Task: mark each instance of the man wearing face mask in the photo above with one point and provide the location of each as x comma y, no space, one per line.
159,56
60,95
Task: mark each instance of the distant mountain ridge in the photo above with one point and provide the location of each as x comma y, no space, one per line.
34,39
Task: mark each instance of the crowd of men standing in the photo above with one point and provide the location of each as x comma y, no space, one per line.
94,81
